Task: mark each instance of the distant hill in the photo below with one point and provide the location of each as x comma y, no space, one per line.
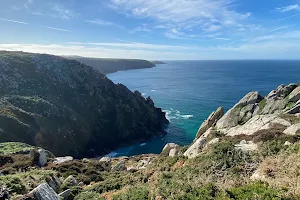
70,108
157,62
110,65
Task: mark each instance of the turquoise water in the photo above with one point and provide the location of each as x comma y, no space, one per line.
190,90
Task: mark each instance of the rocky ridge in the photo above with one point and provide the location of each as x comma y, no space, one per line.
69,108
228,160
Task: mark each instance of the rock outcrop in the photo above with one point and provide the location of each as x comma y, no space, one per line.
241,112
170,149
70,108
195,148
253,115
44,192
210,121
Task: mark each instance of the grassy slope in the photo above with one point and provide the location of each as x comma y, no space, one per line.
220,172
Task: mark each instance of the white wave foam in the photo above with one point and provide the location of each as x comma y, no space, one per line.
153,90
144,94
187,116
143,144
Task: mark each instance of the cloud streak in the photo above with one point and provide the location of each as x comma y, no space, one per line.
295,7
25,23
13,21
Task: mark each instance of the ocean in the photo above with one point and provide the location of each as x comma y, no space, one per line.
188,91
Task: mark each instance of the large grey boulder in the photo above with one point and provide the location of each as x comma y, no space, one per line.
44,192
70,181
282,91
233,117
168,147
105,163
54,182
293,129
196,148
65,194
120,166
257,123
210,121
295,95
60,160
42,157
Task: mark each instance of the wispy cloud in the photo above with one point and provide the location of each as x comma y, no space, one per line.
133,45
25,23
280,28
289,17
57,29
62,12
18,22
142,28
295,7
101,22
183,15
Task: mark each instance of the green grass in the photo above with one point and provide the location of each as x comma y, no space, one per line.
24,182
14,147
89,196
262,104
134,193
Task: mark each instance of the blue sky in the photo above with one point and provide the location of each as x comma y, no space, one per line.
153,29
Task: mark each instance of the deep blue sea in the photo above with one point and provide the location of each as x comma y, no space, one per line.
188,91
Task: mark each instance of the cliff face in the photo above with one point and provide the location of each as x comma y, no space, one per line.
69,108
107,65
252,120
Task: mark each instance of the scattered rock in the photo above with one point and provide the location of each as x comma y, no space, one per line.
4,192
120,166
210,121
292,130
295,95
287,143
246,146
80,184
168,147
44,192
70,181
59,160
42,157
105,163
132,169
105,159
144,163
85,160
196,148
173,152
65,194
257,176
54,182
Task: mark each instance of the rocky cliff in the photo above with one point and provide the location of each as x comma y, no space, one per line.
253,118
110,65
70,108
250,152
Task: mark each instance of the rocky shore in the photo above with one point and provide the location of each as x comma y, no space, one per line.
250,152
